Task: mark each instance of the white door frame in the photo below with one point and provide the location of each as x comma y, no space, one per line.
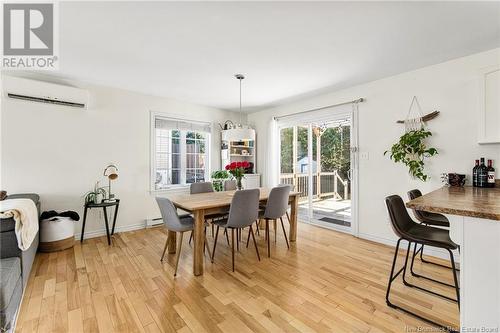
328,114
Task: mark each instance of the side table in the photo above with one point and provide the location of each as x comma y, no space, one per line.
102,205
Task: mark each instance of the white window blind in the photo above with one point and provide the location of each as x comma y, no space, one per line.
180,152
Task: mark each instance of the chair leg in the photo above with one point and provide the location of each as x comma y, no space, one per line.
427,278
232,248
258,227
422,259
215,243
179,246
248,238
392,277
275,222
254,242
191,237
212,229
205,233
227,237
207,247
455,278
268,239
288,216
238,240
415,252
284,233
165,248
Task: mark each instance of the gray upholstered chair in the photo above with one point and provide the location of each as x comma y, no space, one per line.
175,223
204,187
276,207
243,212
201,187
230,185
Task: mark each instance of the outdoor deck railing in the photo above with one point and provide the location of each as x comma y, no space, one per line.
328,184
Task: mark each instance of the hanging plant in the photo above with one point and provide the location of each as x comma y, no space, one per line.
411,150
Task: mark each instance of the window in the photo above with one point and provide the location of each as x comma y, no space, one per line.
180,152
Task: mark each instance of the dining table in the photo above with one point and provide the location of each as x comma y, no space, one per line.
204,204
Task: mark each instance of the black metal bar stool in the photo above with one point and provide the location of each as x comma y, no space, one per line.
412,232
428,218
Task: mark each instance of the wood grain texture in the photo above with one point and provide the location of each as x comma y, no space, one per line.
192,202
59,245
203,204
465,201
326,282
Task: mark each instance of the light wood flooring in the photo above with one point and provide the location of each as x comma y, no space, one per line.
327,282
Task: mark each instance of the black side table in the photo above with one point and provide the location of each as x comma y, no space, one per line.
102,205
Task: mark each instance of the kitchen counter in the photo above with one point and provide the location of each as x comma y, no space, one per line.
465,201
474,215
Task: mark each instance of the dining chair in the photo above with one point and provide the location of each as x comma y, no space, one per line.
407,229
426,218
230,185
201,187
176,224
243,212
204,187
276,207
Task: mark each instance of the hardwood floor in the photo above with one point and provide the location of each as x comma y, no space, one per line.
326,282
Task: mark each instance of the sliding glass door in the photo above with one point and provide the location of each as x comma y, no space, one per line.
316,158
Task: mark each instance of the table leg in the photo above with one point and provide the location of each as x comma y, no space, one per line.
293,218
172,236
83,224
199,238
114,219
107,225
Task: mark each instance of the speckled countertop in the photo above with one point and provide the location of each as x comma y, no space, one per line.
466,201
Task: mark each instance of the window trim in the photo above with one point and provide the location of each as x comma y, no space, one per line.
152,151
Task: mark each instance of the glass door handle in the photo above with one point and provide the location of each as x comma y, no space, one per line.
349,174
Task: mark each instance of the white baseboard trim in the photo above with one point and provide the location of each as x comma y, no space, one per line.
102,232
428,250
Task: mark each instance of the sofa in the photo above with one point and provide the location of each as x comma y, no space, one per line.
15,266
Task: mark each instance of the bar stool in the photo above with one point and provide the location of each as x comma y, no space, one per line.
406,229
431,219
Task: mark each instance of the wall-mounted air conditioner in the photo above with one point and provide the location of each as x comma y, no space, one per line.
44,92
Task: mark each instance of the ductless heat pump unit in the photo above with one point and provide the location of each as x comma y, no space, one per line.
44,92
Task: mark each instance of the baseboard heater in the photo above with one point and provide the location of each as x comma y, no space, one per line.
154,222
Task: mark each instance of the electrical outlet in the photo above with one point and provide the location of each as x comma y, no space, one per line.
364,155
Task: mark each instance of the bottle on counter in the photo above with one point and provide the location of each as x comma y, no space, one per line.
474,174
482,174
491,174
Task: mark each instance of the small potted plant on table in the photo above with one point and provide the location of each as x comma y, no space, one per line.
218,178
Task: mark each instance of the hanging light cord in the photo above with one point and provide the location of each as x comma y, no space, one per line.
240,102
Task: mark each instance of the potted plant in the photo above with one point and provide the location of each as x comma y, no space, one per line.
95,196
411,150
218,178
237,170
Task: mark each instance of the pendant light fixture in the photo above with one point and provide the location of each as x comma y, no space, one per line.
241,132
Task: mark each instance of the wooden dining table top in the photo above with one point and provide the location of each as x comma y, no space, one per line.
198,201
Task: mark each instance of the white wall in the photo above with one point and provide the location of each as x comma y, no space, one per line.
60,152
450,87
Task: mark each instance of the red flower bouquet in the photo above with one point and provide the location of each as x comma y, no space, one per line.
237,170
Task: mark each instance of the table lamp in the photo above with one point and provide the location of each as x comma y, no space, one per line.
111,171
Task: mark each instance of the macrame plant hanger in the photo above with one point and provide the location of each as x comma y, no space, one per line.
416,123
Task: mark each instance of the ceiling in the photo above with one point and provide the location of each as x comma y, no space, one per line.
189,51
